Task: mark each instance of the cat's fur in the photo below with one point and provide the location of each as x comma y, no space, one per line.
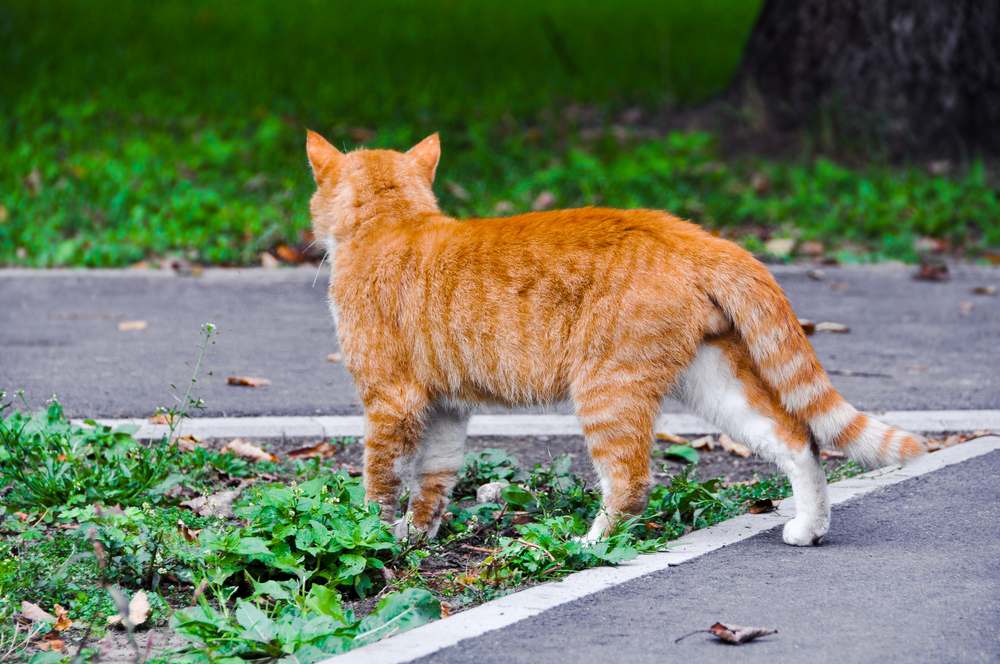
612,309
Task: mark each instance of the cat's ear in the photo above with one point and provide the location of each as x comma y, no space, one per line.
321,153
427,153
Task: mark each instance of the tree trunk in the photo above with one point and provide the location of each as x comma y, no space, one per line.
920,76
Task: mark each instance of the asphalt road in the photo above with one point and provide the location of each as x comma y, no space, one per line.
911,346
904,576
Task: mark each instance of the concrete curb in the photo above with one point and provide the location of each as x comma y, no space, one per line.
929,422
518,606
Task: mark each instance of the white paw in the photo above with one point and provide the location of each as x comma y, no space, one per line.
802,531
403,528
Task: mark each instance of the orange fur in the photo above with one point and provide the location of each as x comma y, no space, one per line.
603,306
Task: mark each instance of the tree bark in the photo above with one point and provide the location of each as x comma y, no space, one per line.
920,76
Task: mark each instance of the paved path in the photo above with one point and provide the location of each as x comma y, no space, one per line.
910,573
910,345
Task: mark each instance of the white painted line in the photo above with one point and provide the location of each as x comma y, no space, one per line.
518,606
923,421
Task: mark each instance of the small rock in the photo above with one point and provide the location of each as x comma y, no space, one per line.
490,492
816,275
780,246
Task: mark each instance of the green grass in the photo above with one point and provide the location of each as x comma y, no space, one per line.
135,130
289,571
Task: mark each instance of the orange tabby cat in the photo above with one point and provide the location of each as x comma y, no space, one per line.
612,309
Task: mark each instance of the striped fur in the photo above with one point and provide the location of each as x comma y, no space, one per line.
610,308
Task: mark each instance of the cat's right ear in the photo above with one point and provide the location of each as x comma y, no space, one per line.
322,155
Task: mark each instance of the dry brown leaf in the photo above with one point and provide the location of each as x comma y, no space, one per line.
289,254
160,418
932,272
965,307
445,609
218,504
132,325
138,611
188,442
189,534
63,621
807,326
247,450
731,446
703,443
836,328
322,449
36,614
334,357
732,634
984,290
51,642
247,381
665,437
762,506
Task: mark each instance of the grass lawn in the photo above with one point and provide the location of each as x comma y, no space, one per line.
135,130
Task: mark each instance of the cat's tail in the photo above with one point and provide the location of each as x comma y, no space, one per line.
751,298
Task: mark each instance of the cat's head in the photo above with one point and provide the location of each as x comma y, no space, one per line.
353,188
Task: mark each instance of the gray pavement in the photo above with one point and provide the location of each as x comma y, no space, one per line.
910,573
910,346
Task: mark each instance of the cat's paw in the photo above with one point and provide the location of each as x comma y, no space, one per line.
802,531
405,530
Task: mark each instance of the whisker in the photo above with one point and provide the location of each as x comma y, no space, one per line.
326,254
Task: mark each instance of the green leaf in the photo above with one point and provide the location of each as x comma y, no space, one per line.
351,564
255,623
517,496
250,546
683,452
325,600
274,589
397,613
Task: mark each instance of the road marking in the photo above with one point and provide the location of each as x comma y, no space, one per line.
921,421
518,606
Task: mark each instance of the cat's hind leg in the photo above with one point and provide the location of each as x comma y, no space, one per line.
434,471
721,386
617,412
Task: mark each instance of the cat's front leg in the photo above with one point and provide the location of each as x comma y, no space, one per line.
436,468
393,427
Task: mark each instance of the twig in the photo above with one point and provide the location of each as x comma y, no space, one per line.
536,546
697,631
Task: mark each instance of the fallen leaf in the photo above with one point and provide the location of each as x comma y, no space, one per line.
160,418
780,247
807,326
289,254
247,450
965,307
683,452
732,634
664,437
334,357
932,272
189,534
703,443
36,614
247,381
731,446
543,201
832,454
836,328
138,611
51,642
445,608
132,325
63,621
322,449
219,504
187,442
762,506
984,290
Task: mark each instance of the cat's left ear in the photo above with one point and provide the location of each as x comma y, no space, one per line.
427,153
321,154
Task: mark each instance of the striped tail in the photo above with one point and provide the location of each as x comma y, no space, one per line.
752,299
